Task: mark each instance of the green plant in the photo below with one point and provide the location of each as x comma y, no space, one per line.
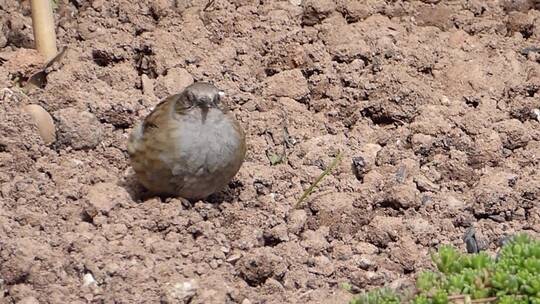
512,277
382,296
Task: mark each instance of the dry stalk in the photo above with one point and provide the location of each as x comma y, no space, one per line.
43,27
318,180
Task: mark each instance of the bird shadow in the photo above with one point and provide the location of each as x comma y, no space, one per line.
136,190
227,195
140,194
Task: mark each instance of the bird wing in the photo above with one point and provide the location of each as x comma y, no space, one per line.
144,130
158,116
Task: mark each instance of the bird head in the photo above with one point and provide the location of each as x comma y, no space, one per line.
204,95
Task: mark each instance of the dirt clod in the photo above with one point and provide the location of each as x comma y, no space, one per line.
180,292
260,265
79,130
103,197
290,84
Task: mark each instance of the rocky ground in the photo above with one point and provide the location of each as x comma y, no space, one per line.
434,105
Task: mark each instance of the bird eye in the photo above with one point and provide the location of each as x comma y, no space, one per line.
191,96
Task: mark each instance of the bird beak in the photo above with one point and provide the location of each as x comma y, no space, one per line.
204,112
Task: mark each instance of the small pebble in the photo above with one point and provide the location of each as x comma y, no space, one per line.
147,85
470,241
359,167
233,258
88,280
43,121
536,113
179,292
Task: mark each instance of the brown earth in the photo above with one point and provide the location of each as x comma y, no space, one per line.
433,103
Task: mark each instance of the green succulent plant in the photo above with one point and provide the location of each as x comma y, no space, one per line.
511,277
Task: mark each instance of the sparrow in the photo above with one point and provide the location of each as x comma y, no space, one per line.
189,146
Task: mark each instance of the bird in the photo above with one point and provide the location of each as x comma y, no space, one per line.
189,146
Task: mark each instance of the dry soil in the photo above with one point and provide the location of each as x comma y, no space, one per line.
434,105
